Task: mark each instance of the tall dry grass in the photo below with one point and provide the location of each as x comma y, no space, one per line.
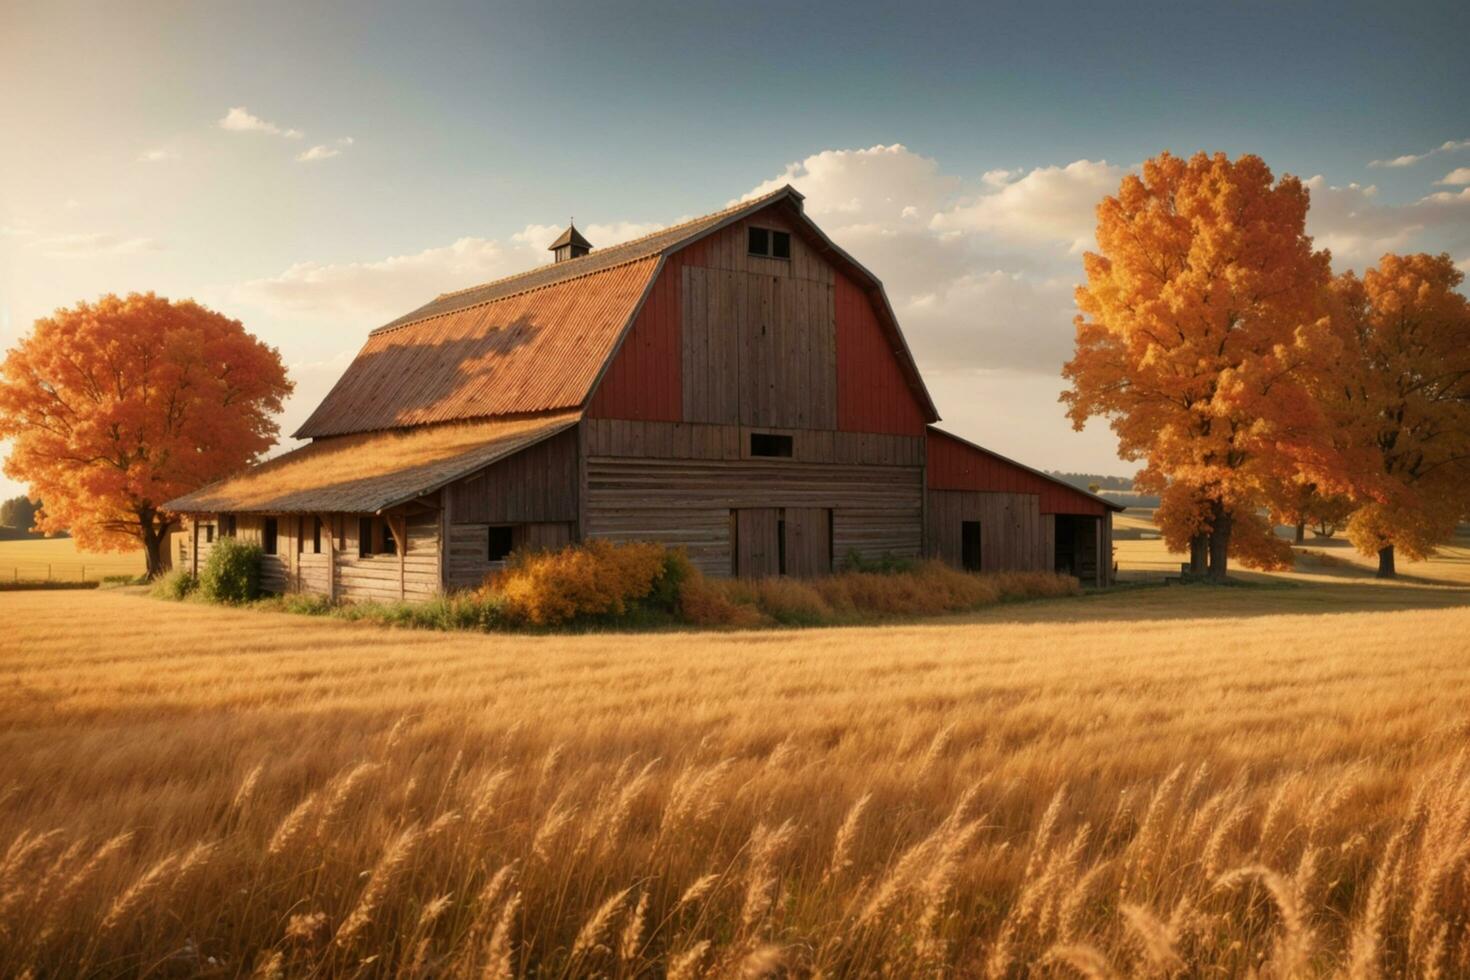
1001,796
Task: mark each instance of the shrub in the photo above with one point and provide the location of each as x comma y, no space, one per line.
595,580
232,573
175,585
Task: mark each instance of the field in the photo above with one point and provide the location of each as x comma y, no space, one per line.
1152,781
57,559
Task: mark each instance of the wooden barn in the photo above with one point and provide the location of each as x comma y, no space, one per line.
737,386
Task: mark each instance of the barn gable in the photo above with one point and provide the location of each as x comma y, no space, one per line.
804,340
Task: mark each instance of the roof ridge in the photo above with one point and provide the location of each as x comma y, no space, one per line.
667,229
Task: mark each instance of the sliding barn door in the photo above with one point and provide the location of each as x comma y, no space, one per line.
808,541
757,541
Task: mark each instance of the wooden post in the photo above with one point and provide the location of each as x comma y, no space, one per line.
402,531
444,496
330,530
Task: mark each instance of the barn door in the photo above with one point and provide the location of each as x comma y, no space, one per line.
757,544
808,544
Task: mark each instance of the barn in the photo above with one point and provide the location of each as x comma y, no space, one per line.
736,385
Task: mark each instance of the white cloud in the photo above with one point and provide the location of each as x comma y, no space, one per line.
1456,177
1047,205
992,320
380,290
241,120
323,151
159,155
1358,229
1409,159
87,244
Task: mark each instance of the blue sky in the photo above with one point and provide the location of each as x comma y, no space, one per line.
314,169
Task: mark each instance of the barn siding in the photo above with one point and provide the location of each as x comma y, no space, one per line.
645,380
537,484
957,465
877,509
1013,533
873,393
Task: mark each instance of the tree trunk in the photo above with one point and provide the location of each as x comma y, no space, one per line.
1199,555
1219,543
153,532
1385,563
1301,532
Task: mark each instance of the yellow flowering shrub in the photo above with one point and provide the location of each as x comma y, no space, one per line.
591,580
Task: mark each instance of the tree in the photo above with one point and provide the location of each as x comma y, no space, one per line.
1202,321
1300,504
1404,399
117,406
19,513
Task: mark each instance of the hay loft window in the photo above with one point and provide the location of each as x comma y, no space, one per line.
768,243
770,444
269,536
970,546
501,542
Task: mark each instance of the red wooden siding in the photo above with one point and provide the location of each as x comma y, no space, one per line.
956,465
873,395
643,382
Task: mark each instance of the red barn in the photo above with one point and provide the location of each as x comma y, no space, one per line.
736,385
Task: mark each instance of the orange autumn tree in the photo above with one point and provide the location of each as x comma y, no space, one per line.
1201,330
119,405
1404,400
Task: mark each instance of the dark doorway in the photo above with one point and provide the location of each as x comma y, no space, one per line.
970,546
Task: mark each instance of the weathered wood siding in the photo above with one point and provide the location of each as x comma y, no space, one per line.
1014,534
535,485
876,509
679,440
759,349
412,574
873,391
469,561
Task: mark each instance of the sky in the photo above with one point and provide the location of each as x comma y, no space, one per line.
315,170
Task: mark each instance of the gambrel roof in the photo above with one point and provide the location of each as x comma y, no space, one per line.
539,341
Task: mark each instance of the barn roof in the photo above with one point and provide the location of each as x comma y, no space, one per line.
371,471
537,341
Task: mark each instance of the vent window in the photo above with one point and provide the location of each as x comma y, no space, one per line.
769,244
501,542
770,444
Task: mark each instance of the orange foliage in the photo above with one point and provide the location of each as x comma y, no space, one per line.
1403,399
598,578
1202,330
117,406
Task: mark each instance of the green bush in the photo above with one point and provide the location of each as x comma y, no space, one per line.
232,573
175,585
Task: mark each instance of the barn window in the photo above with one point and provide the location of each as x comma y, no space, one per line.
316,536
770,444
209,534
390,541
269,535
970,546
768,244
501,542
227,525
301,535
364,537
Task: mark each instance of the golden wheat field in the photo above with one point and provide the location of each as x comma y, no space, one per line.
57,559
1155,782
